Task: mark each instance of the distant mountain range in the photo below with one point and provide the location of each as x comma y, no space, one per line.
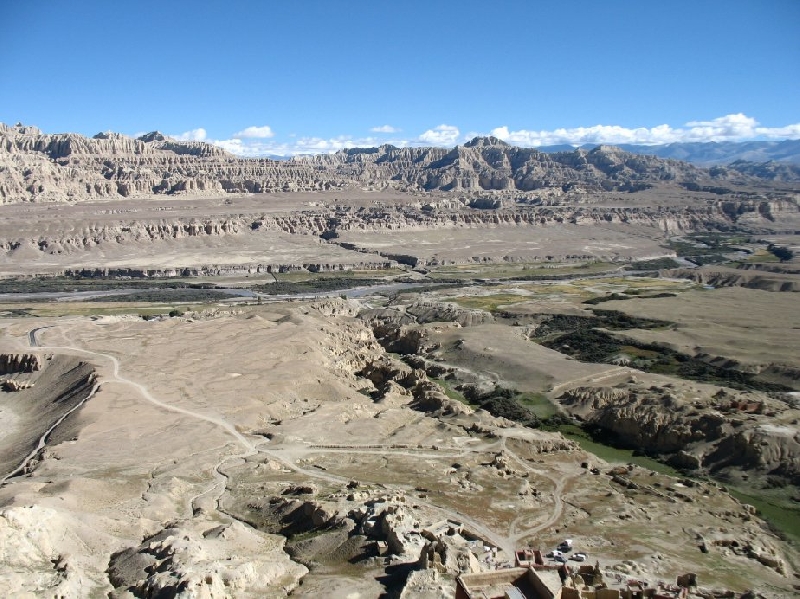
709,153
35,166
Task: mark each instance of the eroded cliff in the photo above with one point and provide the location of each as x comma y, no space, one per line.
70,167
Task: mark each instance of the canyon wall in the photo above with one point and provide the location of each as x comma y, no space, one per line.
35,166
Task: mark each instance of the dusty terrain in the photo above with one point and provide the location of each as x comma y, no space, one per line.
206,425
507,324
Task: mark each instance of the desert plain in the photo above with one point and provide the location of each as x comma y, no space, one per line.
375,386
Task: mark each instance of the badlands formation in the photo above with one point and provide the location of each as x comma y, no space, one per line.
370,373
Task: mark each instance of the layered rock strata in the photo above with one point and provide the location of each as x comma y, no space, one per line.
732,432
69,167
70,241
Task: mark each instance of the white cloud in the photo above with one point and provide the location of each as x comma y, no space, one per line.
234,146
787,132
724,128
300,145
385,129
731,127
255,132
502,133
443,135
198,134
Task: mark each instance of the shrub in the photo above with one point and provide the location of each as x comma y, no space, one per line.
782,253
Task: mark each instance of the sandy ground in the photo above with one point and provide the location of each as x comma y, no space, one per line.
231,407
515,243
502,354
28,224
748,325
48,238
203,419
268,248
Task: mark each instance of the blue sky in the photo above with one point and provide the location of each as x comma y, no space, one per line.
262,77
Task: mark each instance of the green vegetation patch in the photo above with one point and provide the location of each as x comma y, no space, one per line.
16,312
72,284
407,295
760,257
171,295
782,253
702,260
596,443
780,514
503,403
581,337
316,285
450,391
630,294
608,319
489,303
538,403
708,248
533,410
298,276
655,264
518,272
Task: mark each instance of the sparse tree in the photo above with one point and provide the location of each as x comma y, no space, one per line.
782,253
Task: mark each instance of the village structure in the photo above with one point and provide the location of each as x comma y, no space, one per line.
539,581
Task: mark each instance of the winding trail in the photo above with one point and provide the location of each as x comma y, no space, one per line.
499,540
221,479
32,335
241,439
558,502
286,456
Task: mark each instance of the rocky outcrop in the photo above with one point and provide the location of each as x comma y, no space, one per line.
399,330
495,186
67,238
14,385
203,559
43,555
43,401
759,549
407,339
15,363
710,434
597,397
765,448
384,319
654,421
427,311
41,167
429,398
771,170
385,371
215,270
388,375
734,277
490,164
